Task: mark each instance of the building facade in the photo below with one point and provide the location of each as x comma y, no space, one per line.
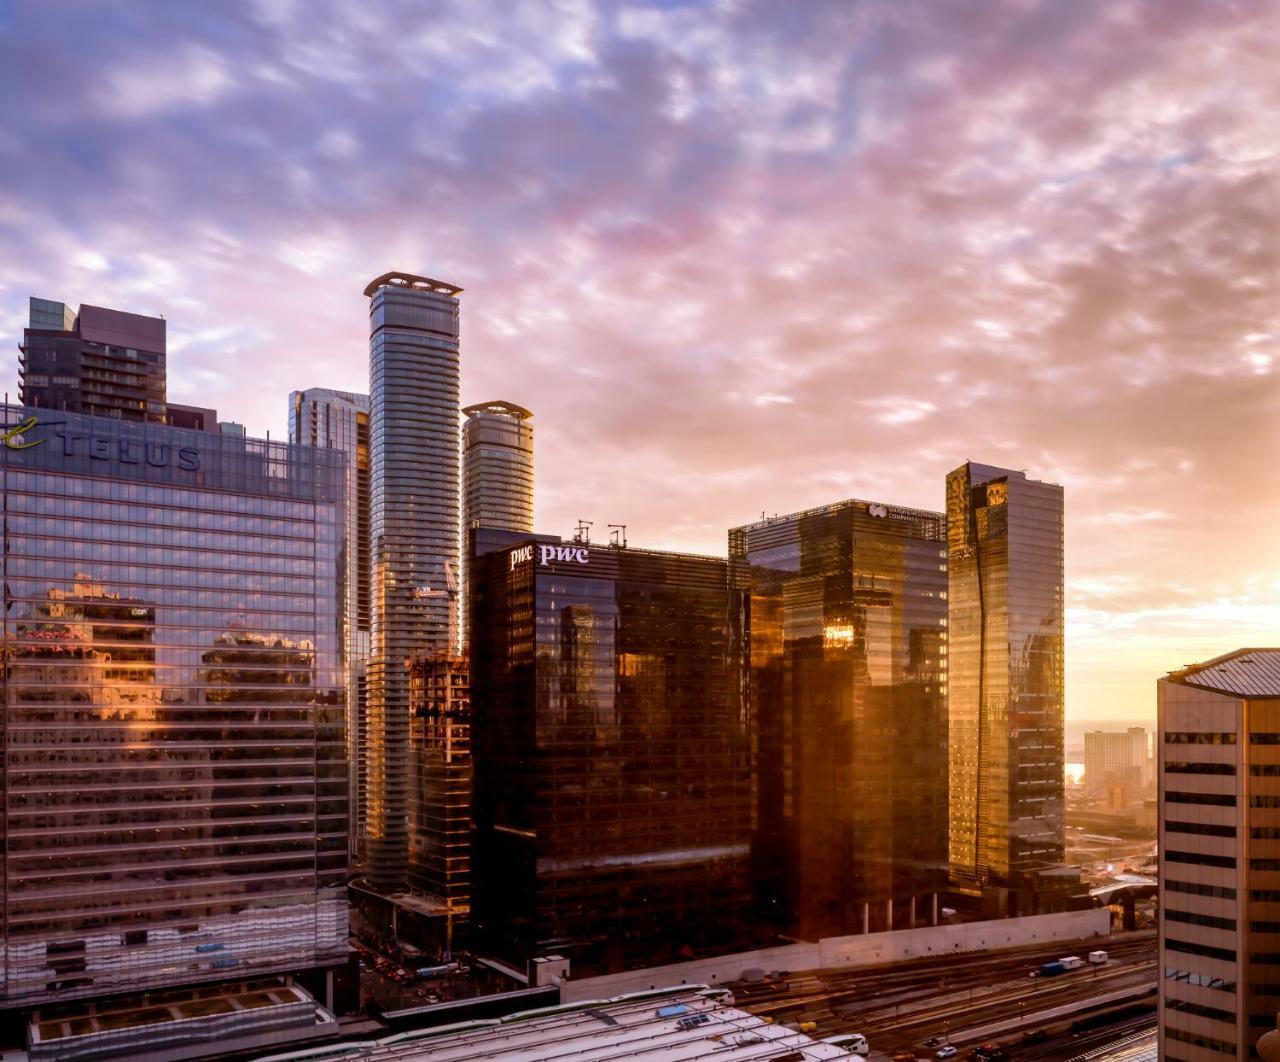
497,471
1114,758
612,778
413,529
103,362
1004,675
339,420
1219,798
440,782
846,666
174,803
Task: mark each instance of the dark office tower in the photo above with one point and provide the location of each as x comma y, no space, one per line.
612,782
440,782
413,504
339,420
1005,675
846,663
497,471
174,807
105,362
1218,748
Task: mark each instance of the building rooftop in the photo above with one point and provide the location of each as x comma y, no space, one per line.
1242,673
412,280
499,406
649,1026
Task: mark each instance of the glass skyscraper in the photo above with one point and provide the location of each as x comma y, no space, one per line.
174,778
339,420
612,781
845,666
1005,674
414,525
497,472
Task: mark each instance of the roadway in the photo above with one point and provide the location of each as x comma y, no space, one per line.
970,999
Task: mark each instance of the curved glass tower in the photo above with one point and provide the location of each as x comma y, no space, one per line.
414,443
1005,674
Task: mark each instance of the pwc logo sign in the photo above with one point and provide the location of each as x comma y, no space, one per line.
549,553
577,554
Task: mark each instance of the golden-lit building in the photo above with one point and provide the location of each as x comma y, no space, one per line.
843,682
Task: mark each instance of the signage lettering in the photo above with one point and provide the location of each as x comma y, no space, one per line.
99,448
562,553
519,556
13,437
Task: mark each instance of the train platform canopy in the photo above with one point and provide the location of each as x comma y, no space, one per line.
686,1023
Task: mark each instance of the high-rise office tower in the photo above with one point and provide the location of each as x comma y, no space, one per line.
174,808
440,784
414,521
612,780
846,664
1218,749
1115,758
497,473
105,362
339,420
1004,675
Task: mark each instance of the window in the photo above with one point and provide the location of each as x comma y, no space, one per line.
1264,833
1201,859
1197,1040
1200,980
1211,921
1266,800
1197,737
1202,829
1265,770
1265,895
1263,737
1194,888
1264,864
1200,1010
1216,800
1187,948
1188,767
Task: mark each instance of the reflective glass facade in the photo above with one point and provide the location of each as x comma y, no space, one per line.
414,522
612,782
440,779
845,668
339,420
174,778
497,470
1005,673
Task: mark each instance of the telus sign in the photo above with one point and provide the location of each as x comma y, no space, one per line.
549,553
126,451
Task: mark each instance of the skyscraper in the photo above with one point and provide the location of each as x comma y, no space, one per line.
612,780
174,808
1219,773
414,523
1005,675
497,473
1115,758
105,362
339,420
846,662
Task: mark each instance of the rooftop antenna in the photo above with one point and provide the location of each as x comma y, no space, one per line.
582,536
618,536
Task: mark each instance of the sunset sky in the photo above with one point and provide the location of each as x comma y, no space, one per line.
736,257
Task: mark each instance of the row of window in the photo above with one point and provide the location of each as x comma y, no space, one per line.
1216,800
1194,888
1193,919
1200,980
1200,829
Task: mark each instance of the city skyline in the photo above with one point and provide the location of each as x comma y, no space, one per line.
931,261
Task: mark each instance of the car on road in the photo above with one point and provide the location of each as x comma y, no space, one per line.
931,1042
946,1051
1034,1036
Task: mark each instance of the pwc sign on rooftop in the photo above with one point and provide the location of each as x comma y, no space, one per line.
548,553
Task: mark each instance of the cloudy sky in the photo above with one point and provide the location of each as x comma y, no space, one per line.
737,256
